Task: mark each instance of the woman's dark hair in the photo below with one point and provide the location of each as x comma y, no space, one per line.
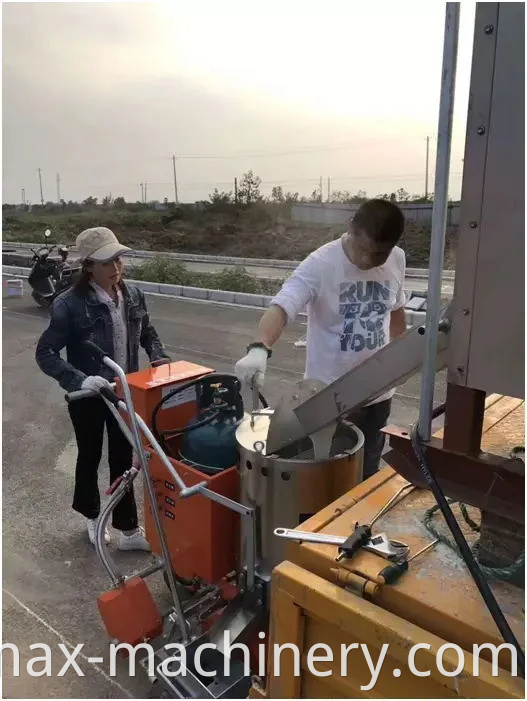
82,280
380,220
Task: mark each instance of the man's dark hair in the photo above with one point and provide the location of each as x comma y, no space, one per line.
380,220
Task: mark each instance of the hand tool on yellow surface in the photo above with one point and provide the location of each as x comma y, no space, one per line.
379,544
391,573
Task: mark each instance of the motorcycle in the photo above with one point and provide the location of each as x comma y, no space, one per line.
48,278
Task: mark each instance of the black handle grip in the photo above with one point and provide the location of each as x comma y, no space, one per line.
392,573
360,536
110,395
98,352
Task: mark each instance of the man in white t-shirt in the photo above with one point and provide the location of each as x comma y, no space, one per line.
353,289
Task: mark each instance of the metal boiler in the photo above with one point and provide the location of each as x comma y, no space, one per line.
287,488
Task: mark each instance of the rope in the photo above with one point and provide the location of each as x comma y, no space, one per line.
513,573
469,521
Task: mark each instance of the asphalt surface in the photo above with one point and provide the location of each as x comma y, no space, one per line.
51,576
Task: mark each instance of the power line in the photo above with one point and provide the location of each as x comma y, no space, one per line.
360,143
272,181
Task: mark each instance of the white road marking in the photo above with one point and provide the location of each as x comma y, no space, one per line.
67,643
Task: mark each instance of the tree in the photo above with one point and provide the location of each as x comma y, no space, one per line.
340,196
291,196
277,194
90,202
359,198
249,189
402,195
222,197
119,203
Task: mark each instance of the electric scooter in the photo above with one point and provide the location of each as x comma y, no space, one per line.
48,278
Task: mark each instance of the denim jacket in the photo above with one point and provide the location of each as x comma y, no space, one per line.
77,316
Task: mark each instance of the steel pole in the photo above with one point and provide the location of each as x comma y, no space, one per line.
439,213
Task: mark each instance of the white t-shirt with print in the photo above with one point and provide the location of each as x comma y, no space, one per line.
348,309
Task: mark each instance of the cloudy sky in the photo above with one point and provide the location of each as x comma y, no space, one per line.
105,93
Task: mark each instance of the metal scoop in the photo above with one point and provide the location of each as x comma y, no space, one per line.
285,428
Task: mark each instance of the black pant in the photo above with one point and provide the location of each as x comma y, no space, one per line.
369,419
89,417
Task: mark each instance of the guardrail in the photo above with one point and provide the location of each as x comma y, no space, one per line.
411,273
239,299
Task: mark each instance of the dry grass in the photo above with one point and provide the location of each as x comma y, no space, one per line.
263,231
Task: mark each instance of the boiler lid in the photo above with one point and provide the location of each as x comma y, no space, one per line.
248,435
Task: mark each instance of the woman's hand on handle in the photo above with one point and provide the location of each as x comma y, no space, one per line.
95,383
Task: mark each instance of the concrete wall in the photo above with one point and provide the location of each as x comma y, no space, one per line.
332,214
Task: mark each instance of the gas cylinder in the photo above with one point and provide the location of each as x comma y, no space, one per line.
212,447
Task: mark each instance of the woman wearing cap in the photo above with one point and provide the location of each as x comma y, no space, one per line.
103,309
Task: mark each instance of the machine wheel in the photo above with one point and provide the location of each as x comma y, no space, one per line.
42,302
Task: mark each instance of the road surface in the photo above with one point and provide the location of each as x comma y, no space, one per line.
51,576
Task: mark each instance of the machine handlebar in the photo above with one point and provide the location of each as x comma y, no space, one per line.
94,348
110,395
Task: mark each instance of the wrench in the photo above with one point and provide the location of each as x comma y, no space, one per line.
379,544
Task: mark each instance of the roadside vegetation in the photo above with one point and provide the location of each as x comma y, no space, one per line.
235,279
240,224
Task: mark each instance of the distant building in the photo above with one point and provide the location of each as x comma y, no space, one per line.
332,214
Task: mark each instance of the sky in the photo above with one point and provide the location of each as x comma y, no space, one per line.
104,94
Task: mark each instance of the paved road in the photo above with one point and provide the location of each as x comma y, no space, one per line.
51,577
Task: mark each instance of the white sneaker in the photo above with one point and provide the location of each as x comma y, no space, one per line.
92,525
135,541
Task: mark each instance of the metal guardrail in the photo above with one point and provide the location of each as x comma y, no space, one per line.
240,299
411,273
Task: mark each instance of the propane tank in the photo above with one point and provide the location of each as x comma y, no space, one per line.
212,447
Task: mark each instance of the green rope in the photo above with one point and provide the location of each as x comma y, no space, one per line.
470,522
513,573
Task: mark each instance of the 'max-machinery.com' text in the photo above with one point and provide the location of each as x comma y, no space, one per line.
40,662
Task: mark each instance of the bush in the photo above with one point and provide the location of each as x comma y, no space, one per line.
237,279
161,269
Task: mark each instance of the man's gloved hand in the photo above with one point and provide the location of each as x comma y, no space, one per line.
95,383
251,368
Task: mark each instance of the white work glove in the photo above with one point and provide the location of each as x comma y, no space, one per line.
251,368
95,383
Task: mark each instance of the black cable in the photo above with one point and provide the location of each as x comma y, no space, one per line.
470,561
169,395
179,389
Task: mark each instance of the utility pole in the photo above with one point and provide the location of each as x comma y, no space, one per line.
426,175
329,196
58,188
236,190
142,193
145,195
23,196
320,189
40,180
175,179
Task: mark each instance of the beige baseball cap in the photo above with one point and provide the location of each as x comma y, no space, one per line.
99,245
